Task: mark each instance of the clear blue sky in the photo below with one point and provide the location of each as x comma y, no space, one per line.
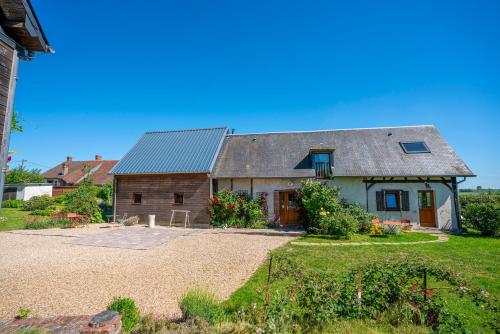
125,67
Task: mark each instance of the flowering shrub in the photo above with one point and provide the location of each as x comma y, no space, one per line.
227,208
223,206
323,212
377,229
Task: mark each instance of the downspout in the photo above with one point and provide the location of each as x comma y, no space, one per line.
366,187
114,198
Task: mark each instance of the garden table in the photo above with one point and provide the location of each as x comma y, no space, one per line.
392,226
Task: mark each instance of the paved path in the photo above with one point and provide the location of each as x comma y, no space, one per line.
441,237
137,237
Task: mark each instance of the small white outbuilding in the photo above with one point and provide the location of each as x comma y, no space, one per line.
26,191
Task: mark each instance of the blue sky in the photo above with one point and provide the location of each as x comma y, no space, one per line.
121,69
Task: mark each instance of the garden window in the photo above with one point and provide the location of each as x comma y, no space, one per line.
178,198
136,198
392,200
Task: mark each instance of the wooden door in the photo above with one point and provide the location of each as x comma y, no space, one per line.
426,208
289,209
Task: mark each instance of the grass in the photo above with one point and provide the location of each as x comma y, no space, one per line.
14,219
402,237
201,303
477,258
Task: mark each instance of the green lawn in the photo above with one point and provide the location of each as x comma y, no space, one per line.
402,237
14,219
477,258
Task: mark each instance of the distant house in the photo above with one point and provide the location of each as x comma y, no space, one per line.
398,173
21,36
70,173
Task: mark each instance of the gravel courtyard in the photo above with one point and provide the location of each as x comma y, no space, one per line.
52,275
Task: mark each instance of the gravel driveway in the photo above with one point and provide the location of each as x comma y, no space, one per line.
51,275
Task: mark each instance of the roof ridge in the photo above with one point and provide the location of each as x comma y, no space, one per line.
331,130
187,130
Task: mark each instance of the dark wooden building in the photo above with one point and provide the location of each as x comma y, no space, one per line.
168,171
20,37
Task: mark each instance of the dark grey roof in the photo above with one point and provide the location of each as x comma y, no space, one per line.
184,151
358,152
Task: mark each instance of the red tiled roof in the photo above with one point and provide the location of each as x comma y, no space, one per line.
76,171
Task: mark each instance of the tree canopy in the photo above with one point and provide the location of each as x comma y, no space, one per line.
21,175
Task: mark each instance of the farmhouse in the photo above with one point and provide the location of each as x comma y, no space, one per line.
399,172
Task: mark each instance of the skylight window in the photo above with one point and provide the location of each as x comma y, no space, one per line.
414,147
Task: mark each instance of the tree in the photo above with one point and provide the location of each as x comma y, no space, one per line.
21,175
15,125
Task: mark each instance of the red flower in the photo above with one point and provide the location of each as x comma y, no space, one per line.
217,206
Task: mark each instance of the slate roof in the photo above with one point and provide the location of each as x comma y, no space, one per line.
183,151
357,152
76,171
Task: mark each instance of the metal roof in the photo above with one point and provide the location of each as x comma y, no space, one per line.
166,152
357,152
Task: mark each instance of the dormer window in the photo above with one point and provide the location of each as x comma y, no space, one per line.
322,163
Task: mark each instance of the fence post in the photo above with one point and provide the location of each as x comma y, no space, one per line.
425,284
268,288
360,288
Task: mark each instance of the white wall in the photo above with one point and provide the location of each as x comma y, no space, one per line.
27,191
353,189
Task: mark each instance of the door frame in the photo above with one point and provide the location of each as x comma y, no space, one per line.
434,209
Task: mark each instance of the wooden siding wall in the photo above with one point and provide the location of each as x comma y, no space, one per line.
158,197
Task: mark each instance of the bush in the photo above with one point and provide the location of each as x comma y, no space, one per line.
38,223
198,303
227,208
83,201
314,198
47,212
481,198
324,213
223,206
38,203
105,192
340,224
485,217
13,203
391,288
59,199
127,309
363,217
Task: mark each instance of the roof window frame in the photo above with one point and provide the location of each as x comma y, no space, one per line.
403,143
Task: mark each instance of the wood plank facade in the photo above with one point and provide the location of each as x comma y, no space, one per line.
157,193
8,76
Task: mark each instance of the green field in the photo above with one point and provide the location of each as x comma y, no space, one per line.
14,219
478,258
402,237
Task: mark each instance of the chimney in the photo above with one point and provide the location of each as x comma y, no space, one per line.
65,167
69,158
98,157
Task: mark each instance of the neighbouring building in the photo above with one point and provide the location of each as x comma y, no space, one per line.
21,35
26,191
396,172
68,175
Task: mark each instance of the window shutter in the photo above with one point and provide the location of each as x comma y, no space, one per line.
405,201
380,200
